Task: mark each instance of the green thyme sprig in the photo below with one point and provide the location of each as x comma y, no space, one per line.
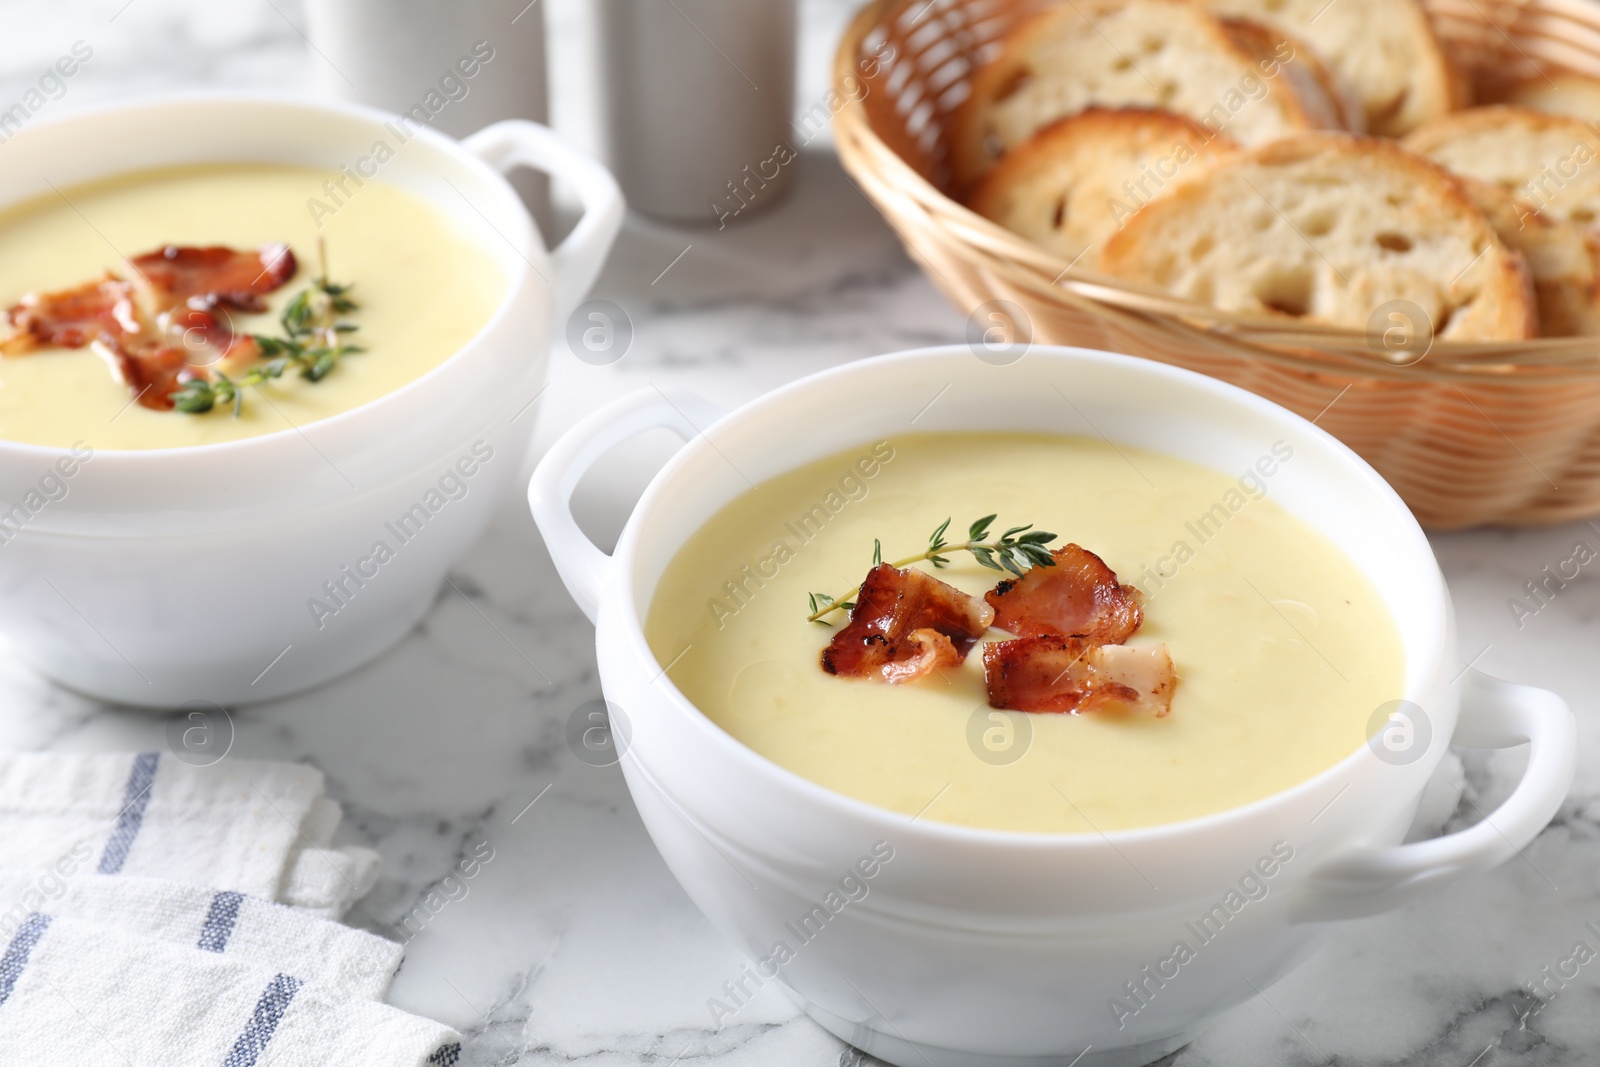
313,341
1015,550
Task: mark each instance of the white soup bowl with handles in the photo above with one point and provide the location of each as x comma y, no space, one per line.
976,947
170,576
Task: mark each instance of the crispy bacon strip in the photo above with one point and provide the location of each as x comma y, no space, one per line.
1064,674
929,649
905,624
148,366
182,346
163,327
207,338
1078,597
69,318
217,274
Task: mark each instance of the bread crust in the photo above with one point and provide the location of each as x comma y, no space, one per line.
1563,260
1329,100
1551,161
1330,228
1169,54
1559,92
1386,50
1072,184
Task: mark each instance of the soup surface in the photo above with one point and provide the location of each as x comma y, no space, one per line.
424,287
1282,646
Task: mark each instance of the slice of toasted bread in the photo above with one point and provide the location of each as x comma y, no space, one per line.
1311,78
1560,92
1551,161
1167,54
1069,186
1563,260
1330,228
1385,49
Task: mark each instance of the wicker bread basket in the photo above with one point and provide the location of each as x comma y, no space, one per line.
1468,434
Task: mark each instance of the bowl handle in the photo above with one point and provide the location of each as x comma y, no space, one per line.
582,566
578,259
1494,714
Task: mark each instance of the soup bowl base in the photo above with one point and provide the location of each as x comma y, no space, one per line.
229,682
892,1048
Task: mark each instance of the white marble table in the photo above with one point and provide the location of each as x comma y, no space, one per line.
574,944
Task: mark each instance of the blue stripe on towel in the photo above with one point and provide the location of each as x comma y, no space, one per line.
446,1055
264,1020
135,798
17,953
220,918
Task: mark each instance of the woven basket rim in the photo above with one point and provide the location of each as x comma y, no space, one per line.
1306,346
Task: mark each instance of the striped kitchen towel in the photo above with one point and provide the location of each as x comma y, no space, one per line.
246,928
77,992
156,912
257,828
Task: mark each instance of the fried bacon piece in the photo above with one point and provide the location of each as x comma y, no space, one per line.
929,650
148,366
1064,674
162,326
183,345
69,318
905,624
1078,597
207,338
217,274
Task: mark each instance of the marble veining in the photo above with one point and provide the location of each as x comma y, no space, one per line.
572,943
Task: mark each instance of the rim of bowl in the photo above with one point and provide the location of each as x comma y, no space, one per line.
516,278
889,820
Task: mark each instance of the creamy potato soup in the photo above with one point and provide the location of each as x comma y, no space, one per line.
424,288
1281,646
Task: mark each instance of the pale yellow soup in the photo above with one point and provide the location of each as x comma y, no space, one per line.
1282,646
424,284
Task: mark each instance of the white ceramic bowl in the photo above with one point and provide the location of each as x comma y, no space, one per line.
982,947
185,574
